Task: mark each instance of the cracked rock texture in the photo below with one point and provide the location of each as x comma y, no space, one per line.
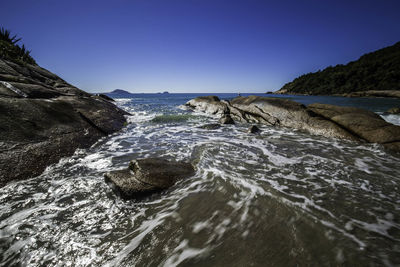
43,118
320,119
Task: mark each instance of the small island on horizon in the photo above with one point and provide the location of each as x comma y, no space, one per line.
118,93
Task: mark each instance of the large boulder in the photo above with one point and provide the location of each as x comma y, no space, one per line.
319,119
43,118
208,104
362,123
272,111
286,113
146,176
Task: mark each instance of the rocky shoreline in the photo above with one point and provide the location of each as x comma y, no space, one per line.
331,121
369,93
374,93
43,118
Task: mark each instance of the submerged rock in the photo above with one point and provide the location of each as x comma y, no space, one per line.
226,119
211,126
253,129
320,119
146,176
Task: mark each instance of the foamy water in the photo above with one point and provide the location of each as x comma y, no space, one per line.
392,118
280,198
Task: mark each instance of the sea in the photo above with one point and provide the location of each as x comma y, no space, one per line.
279,198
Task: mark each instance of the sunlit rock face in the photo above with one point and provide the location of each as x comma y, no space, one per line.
320,119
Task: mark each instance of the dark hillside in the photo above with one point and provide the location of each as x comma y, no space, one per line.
379,70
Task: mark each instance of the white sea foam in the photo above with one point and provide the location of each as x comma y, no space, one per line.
392,118
141,116
96,161
124,101
183,252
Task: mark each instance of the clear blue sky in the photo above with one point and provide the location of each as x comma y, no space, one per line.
197,45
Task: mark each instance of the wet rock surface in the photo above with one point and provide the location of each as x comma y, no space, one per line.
210,126
226,119
361,123
146,176
253,129
208,104
320,119
43,118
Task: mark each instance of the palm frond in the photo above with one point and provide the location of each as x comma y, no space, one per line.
5,35
9,48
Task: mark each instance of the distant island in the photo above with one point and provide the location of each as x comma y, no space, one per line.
119,93
373,74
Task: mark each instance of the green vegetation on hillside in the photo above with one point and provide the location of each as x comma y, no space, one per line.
10,50
379,70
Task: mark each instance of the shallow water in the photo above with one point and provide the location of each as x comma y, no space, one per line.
281,198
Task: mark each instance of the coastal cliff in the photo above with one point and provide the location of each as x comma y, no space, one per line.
43,118
376,74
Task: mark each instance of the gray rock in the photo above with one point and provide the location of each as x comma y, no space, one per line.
211,126
326,120
284,113
125,183
226,119
253,129
146,176
106,97
208,104
43,118
362,123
